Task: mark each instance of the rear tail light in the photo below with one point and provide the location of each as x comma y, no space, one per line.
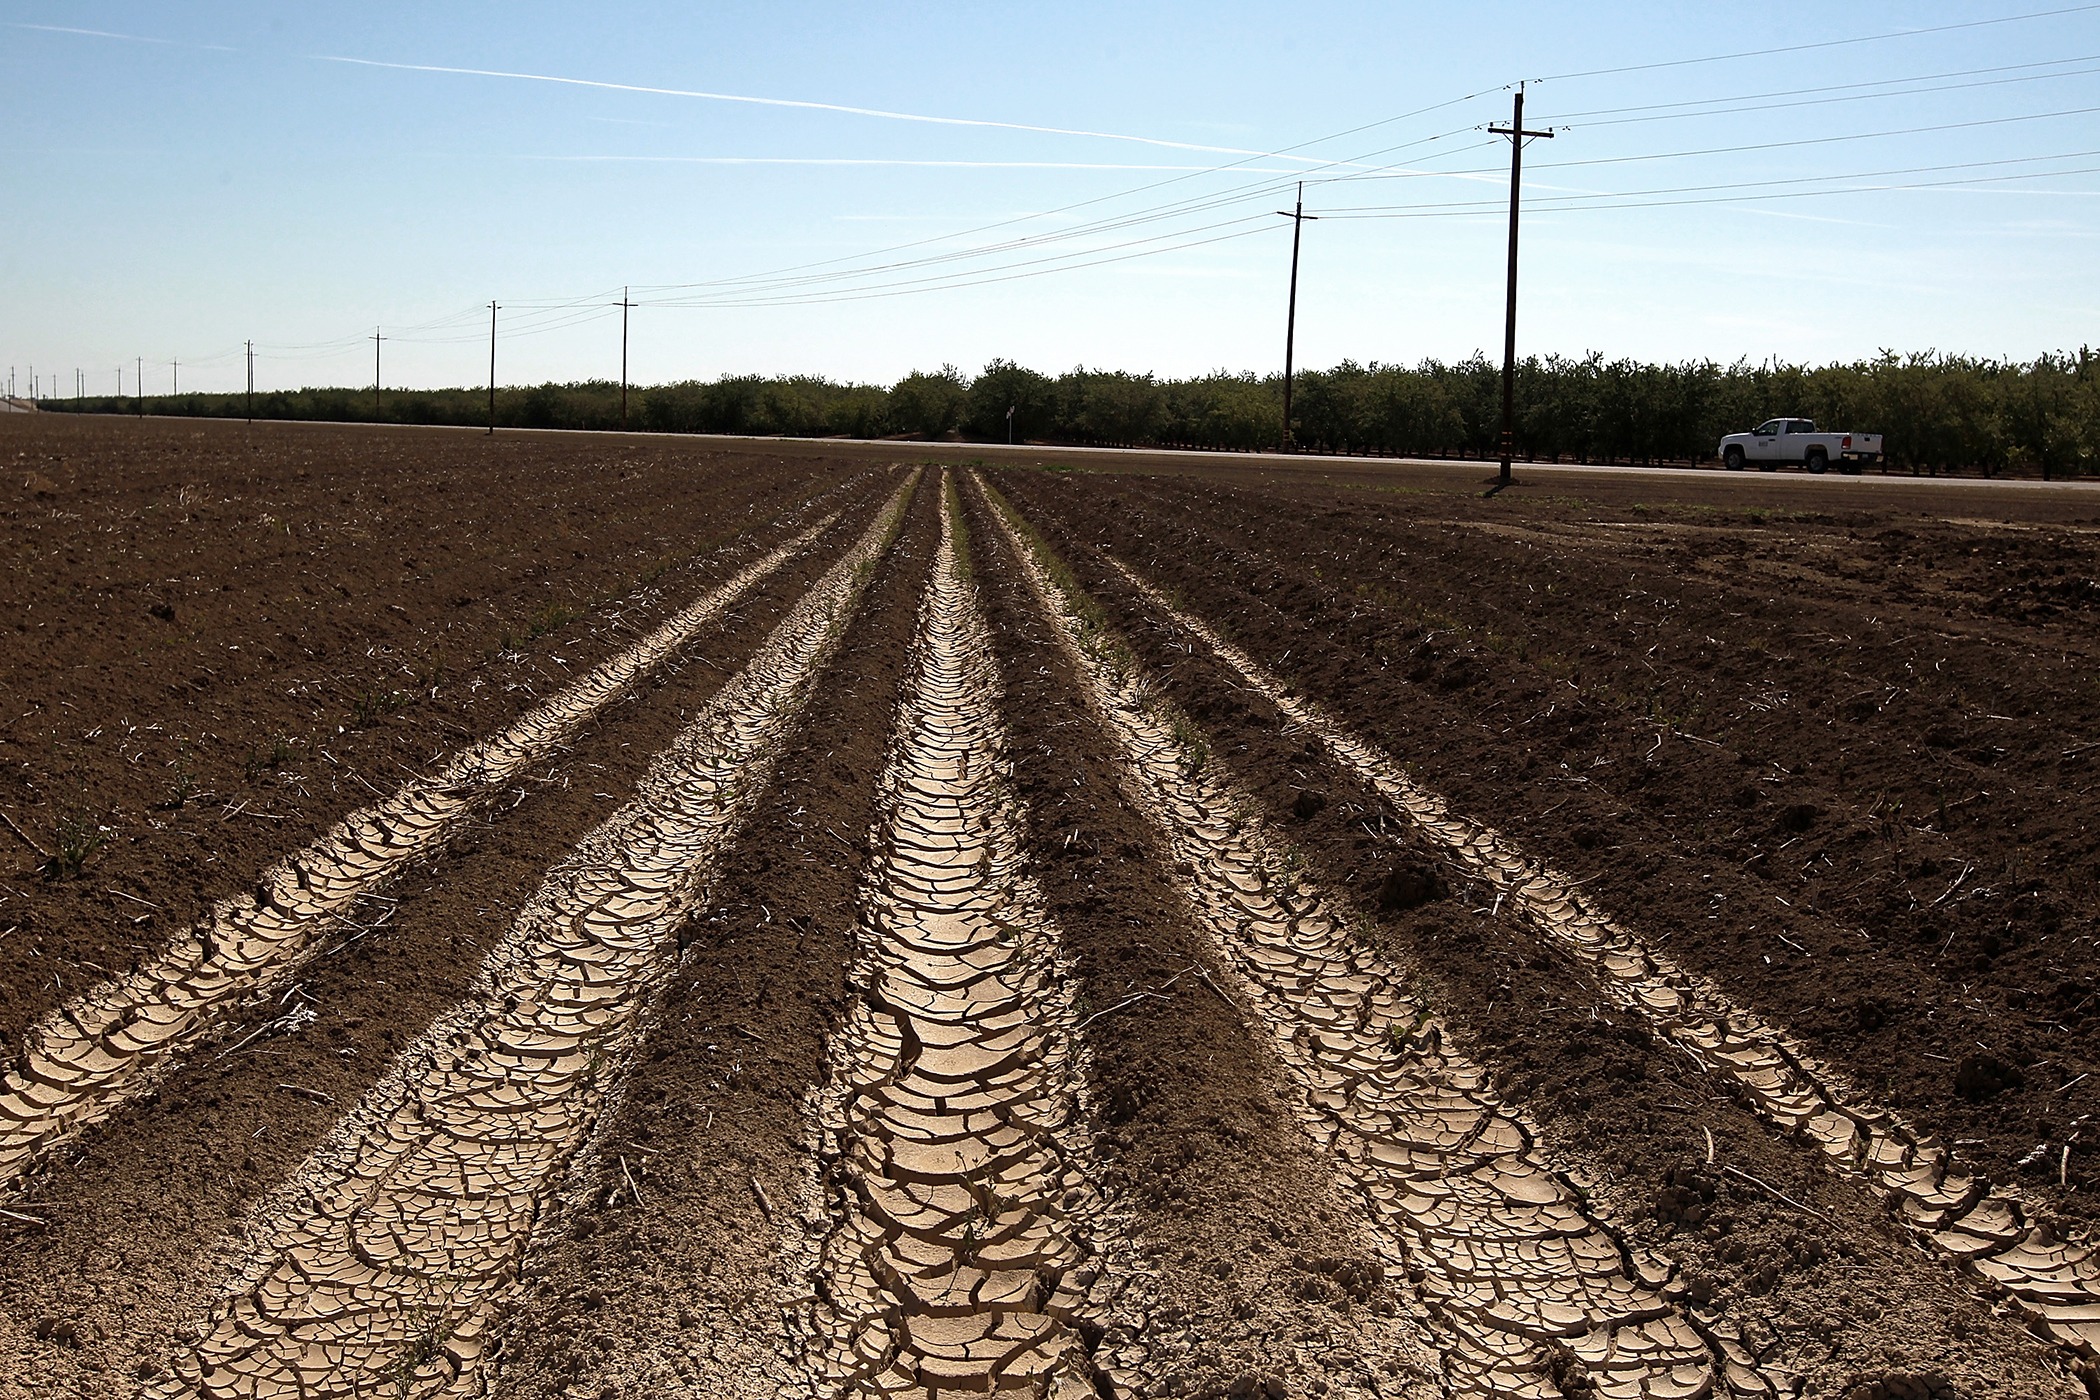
1848,439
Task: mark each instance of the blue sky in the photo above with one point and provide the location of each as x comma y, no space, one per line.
218,172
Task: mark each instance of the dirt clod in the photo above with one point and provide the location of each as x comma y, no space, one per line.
1984,1076
1410,886
1687,1195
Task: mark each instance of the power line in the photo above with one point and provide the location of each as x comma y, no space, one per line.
877,294
1765,106
1825,44
766,298
1082,204
1081,259
777,289
1339,211
1633,199
1761,145
1840,87
1199,204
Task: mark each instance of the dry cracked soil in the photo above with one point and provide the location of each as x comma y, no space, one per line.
567,916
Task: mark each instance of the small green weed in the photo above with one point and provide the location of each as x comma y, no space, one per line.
551,618
431,673
260,763
76,839
371,705
183,786
428,1332
1195,753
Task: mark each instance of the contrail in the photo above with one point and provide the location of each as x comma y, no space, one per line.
131,38
817,107
849,160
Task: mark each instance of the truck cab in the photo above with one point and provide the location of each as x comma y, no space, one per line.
1769,439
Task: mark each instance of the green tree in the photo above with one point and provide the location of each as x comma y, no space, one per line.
1005,385
929,404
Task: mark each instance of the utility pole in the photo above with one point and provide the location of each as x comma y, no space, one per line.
138,382
251,381
1010,424
376,338
1297,216
624,305
1516,133
175,369
492,368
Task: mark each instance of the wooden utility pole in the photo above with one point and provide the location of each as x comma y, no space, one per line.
376,338
1516,133
492,369
138,382
625,306
1297,216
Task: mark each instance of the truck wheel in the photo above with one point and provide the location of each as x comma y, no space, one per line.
1768,466
1733,459
1849,468
1817,463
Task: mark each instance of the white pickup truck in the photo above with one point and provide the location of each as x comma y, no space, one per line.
1796,440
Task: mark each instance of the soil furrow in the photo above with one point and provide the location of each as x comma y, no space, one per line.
964,1253
1803,1258
1952,1211
676,1262
1527,1286
139,1217
227,637
82,1061
1260,1275
383,1261
1866,812
1712,575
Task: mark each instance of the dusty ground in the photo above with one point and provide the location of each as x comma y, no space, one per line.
1826,742
225,637
1746,728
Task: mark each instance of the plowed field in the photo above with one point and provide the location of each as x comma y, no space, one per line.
594,917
